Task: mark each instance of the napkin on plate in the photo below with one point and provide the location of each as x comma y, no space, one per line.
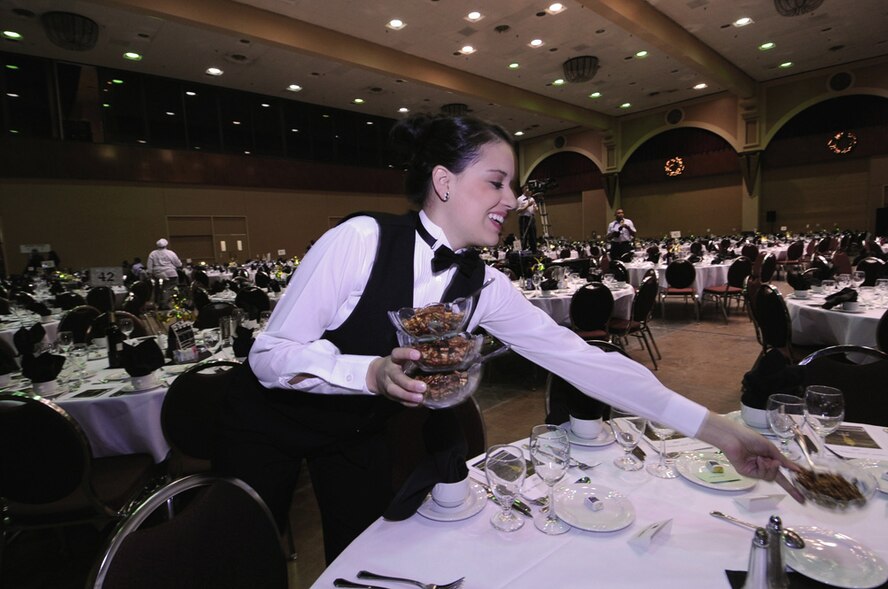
27,338
846,295
56,288
653,257
7,361
797,281
549,284
39,308
274,286
716,260
42,368
771,373
445,462
143,358
694,259
242,342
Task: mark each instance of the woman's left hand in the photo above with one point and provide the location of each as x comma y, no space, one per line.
386,377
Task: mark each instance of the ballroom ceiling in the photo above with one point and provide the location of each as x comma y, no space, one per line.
339,51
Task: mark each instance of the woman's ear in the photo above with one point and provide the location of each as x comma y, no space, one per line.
441,182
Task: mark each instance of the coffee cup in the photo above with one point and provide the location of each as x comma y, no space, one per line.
45,388
851,306
587,429
800,294
451,494
145,382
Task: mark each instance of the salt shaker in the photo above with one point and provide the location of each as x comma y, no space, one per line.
757,575
777,578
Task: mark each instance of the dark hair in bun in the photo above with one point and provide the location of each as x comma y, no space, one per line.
425,141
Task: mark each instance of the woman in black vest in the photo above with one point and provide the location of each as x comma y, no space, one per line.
327,374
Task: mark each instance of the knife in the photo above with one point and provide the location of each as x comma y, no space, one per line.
519,505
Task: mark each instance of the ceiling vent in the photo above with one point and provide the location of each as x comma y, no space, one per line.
840,81
580,69
796,7
675,116
70,31
560,142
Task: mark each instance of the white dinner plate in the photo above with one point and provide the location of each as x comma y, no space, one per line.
572,507
605,438
875,467
836,559
129,388
691,464
473,504
116,374
841,310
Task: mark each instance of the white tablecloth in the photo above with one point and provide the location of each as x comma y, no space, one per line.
707,274
556,303
694,555
8,329
814,325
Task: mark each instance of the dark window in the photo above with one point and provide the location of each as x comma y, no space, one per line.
297,130
26,96
202,116
122,106
166,118
267,125
237,122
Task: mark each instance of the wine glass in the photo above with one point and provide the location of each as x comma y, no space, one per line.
843,281
505,469
882,291
264,316
126,326
824,410
828,286
537,279
212,338
550,453
857,278
78,357
628,429
786,414
65,340
661,469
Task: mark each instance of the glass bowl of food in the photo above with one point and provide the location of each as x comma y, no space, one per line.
446,389
435,319
443,353
835,485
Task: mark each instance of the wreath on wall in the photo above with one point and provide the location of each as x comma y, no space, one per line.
674,166
842,142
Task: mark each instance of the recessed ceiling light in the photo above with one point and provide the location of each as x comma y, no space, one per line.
626,105
558,82
294,88
142,141
264,105
10,66
106,105
786,64
12,35
595,95
13,130
403,109
467,50
396,24
701,86
536,43
474,16
325,116
235,122
358,101
12,94
246,152
555,8
214,71
190,93
197,147
132,56
519,133
170,113
117,81
641,54
514,65
743,21
766,46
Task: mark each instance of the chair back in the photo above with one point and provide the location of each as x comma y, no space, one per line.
254,300
873,269
223,536
618,269
627,257
209,315
4,307
769,264
795,250
738,271
78,321
697,248
100,297
604,264
134,304
143,289
772,317
680,274
750,250
841,262
591,307
645,299
68,300
261,279
200,277
837,366
825,245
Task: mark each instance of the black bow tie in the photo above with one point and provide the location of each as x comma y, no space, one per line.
445,258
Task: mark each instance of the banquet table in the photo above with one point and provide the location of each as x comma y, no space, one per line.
693,552
707,274
814,325
9,326
556,303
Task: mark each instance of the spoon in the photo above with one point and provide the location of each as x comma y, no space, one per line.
804,446
790,537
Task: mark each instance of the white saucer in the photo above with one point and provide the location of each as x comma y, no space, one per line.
690,464
473,504
857,312
570,505
129,388
605,438
736,416
836,559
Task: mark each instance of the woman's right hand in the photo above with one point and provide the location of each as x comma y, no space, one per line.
386,377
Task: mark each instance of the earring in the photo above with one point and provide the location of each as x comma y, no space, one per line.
446,197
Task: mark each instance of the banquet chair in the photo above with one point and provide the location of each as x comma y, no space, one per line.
4,307
253,300
604,264
591,307
223,537
680,282
618,269
100,297
873,269
560,393
722,294
794,254
78,321
48,476
627,257
750,250
841,262
767,267
200,277
209,315
825,245
200,298
261,279
825,266
774,325
697,248
638,325
841,366
134,305
68,300
144,289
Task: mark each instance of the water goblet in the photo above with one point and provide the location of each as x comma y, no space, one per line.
824,410
867,296
264,316
212,338
843,281
505,469
537,279
550,453
786,413
628,429
857,278
829,286
65,340
126,326
78,357
661,469
882,291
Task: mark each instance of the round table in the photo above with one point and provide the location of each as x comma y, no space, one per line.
707,274
556,303
814,325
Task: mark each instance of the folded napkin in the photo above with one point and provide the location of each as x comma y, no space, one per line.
39,308
7,361
796,581
846,295
274,285
26,339
772,373
242,342
566,400
42,368
694,259
445,462
549,284
142,359
716,260
797,281
653,257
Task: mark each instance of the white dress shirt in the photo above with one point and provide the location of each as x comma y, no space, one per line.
328,284
162,263
625,231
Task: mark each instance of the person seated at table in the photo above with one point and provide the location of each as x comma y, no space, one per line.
325,377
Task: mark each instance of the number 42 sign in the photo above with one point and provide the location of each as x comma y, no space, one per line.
106,276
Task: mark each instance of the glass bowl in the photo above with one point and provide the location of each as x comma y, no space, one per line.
832,475
434,319
446,389
443,353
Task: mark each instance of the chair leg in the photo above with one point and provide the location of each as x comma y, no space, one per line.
651,335
649,349
724,307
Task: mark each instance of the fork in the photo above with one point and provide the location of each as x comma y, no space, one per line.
452,585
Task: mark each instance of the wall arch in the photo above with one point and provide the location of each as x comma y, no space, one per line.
627,153
544,156
790,114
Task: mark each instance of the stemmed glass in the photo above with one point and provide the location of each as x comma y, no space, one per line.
661,469
628,429
824,410
550,453
126,326
65,340
857,278
505,469
882,291
786,413
212,338
537,280
78,358
843,281
829,286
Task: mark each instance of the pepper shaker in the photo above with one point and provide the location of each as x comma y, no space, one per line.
757,575
777,578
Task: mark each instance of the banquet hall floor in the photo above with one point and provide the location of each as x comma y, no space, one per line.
704,360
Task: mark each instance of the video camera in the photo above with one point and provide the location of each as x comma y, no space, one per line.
541,187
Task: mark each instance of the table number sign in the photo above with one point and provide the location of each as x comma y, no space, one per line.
282,252
106,276
675,234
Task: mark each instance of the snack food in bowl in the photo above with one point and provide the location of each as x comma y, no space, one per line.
442,353
433,319
446,389
835,485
